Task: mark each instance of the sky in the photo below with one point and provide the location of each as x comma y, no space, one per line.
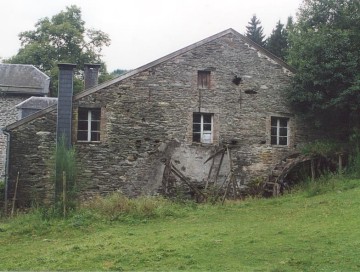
142,31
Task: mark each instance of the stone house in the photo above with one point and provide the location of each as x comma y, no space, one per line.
17,83
223,91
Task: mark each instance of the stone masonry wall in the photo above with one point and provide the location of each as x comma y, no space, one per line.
8,115
147,118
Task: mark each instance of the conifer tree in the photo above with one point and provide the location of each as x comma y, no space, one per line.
254,31
277,42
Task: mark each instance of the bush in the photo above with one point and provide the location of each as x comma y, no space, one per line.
323,148
119,207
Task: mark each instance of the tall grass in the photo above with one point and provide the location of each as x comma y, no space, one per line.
121,208
329,182
65,175
289,233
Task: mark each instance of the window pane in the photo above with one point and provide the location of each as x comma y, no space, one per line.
95,136
196,137
207,127
82,136
273,140
196,127
283,131
95,114
207,118
206,138
196,117
273,131
95,125
83,114
273,121
283,141
283,122
83,125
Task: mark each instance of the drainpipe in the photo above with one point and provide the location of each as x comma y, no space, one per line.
7,158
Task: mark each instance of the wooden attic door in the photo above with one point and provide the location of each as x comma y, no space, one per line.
204,79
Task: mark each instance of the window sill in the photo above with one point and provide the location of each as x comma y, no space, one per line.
202,144
88,142
280,146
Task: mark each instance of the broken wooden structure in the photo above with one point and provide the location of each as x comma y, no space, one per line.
213,189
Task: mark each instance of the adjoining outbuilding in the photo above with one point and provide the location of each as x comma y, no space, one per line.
18,82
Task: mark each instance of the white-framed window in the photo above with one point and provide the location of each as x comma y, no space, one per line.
204,79
203,127
279,130
88,125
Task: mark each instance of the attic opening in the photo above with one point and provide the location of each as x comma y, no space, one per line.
204,78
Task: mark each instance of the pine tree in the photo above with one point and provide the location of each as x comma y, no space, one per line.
277,42
254,31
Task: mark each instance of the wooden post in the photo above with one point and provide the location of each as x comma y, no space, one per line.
312,169
209,175
232,180
64,192
340,164
15,193
219,167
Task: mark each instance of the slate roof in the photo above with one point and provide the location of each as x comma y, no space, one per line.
36,102
23,79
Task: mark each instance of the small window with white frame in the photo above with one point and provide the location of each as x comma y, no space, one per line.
88,125
280,131
203,127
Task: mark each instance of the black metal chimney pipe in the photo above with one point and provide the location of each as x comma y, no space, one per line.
91,74
64,105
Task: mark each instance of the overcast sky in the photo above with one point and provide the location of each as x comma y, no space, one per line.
144,30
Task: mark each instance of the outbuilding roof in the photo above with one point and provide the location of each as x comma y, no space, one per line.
35,102
23,79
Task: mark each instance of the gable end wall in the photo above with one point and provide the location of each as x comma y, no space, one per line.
147,120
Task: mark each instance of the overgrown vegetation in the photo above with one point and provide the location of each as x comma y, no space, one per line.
324,46
64,168
314,228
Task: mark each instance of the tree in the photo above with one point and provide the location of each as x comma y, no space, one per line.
118,72
324,48
277,41
63,38
254,31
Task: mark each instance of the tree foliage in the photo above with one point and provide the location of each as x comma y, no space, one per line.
277,42
63,38
324,48
254,31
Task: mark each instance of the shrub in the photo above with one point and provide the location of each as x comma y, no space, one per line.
119,207
323,148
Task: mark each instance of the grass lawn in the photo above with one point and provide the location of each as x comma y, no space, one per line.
312,230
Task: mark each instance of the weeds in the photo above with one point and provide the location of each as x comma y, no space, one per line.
117,207
329,182
252,235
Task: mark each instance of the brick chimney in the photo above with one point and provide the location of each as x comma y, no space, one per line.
91,73
64,105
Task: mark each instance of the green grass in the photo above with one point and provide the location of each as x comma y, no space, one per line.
308,230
